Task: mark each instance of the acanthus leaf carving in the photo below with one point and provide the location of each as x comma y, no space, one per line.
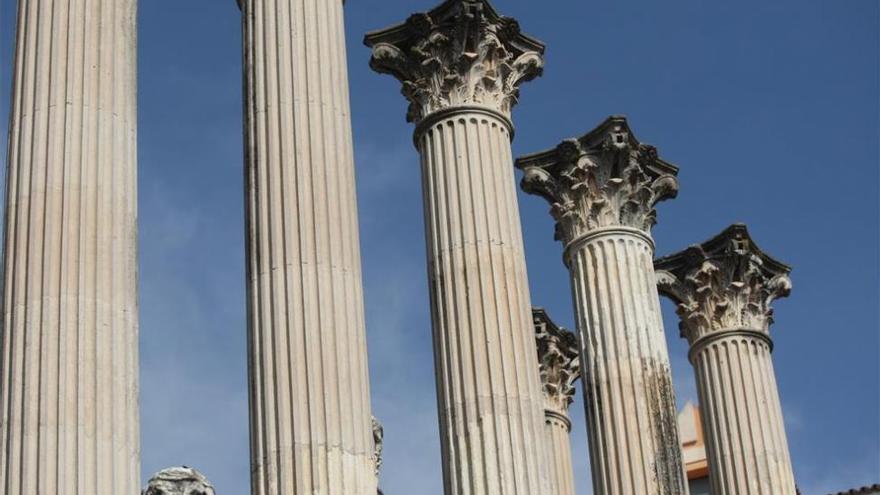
603,179
460,53
559,361
726,283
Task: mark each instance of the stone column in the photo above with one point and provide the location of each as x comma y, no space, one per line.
461,65
309,387
723,289
68,345
559,363
603,188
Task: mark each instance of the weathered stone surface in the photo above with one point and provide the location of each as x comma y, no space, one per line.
309,384
559,362
461,65
378,443
178,481
602,188
69,331
378,446
724,289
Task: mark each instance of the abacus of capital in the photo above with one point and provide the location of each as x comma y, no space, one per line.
505,374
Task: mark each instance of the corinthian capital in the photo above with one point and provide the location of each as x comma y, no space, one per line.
606,178
726,283
460,53
558,359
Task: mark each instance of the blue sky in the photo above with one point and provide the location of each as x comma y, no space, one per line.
769,107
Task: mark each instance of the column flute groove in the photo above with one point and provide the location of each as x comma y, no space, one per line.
69,368
724,289
602,188
311,430
461,65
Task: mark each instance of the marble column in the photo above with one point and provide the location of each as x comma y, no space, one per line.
461,65
309,387
724,289
559,364
603,188
68,345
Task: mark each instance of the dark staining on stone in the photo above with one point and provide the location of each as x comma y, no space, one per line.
668,469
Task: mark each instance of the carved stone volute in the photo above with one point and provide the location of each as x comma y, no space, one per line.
559,361
726,283
606,178
460,53
179,481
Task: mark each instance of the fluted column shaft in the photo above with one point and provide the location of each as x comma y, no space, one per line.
603,188
311,431
745,435
68,366
723,289
491,413
628,391
557,434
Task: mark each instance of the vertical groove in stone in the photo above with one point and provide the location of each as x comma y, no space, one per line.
558,445
309,385
742,417
69,369
625,365
490,401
